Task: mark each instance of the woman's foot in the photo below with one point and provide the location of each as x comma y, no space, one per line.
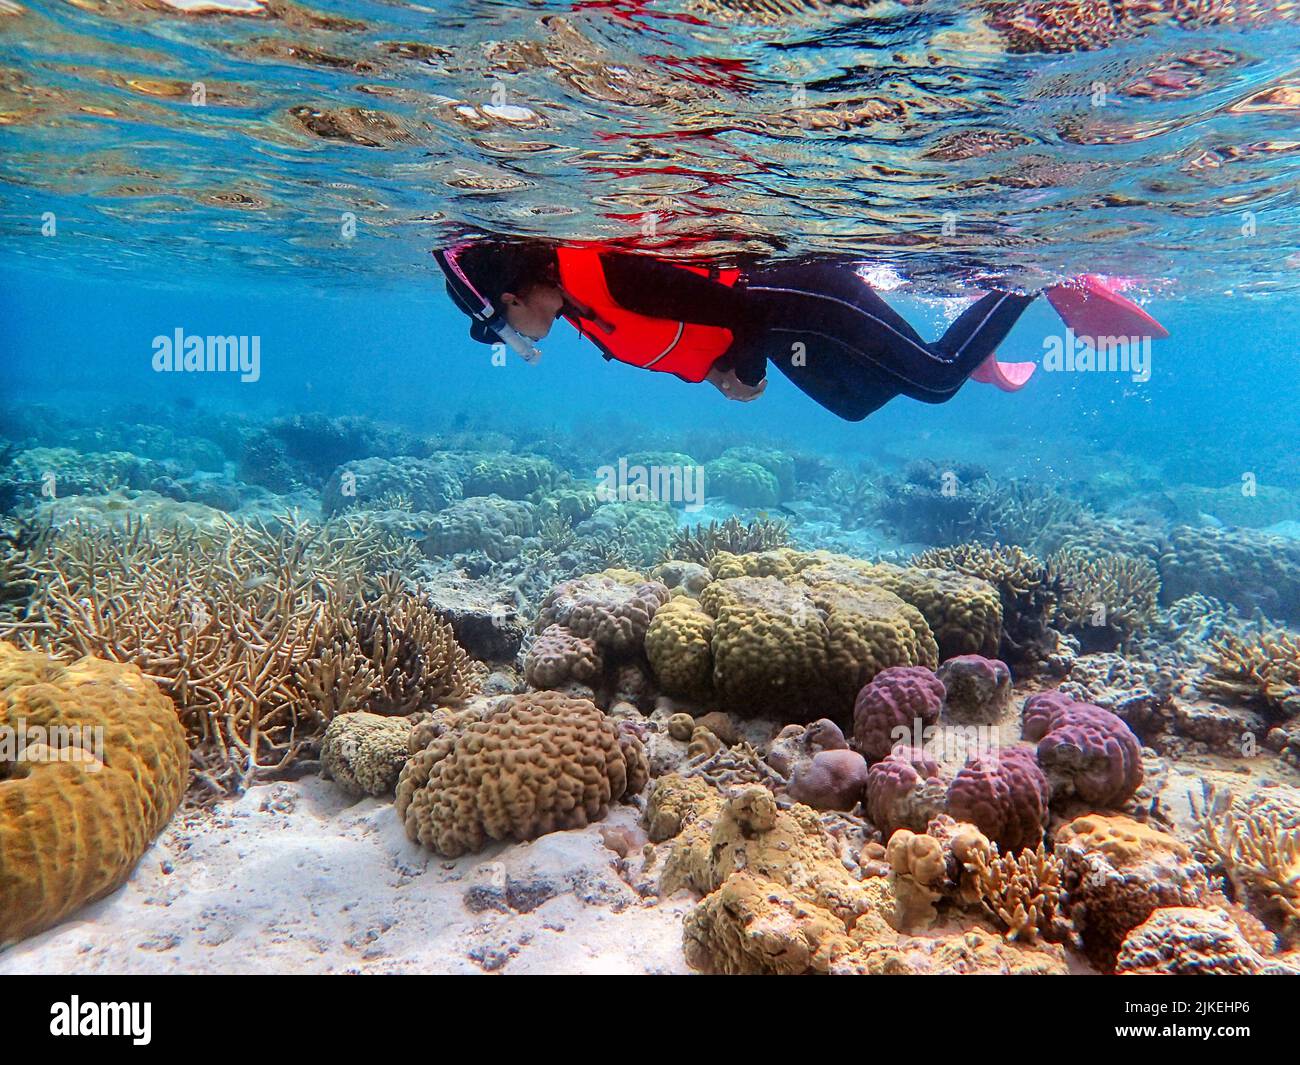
1008,376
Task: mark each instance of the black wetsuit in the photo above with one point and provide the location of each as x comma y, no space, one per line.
823,327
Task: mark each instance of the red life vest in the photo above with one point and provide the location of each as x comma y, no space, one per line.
651,343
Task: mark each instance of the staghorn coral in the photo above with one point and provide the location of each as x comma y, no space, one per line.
1021,892
1020,511
1106,600
75,816
222,621
533,764
1116,873
701,543
1261,669
1083,749
393,655
364,753
1004,794
897,705
1257,846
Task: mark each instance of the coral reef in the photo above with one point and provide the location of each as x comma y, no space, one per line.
224,623
364,753
1083,749
1004,794
702,543
1106,600
534,764
93,766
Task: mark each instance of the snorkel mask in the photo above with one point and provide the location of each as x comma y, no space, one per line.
486,325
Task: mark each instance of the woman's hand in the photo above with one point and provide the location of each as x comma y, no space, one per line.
731,386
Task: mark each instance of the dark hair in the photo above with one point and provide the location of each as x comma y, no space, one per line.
496,267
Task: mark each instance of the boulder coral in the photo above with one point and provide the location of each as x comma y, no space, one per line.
1085,751
104,767
533,764
830,780
364,753
905,790
1005,795
1190,941
977,690
895,706
1116,873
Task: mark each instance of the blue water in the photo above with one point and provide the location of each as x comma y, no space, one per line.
579,122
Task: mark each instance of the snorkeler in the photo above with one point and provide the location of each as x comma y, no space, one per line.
818,321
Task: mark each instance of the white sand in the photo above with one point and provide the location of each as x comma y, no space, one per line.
295,877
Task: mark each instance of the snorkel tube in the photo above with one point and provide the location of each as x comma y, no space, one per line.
486,322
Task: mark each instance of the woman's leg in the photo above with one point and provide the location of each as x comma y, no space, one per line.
834,314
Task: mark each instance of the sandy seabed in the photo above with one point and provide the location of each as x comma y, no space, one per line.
295,877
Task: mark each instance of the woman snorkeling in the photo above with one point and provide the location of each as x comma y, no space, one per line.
818,321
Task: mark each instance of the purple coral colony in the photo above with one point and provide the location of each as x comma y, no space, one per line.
1053,744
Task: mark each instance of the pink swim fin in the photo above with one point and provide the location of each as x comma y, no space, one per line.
1008,376
1091,306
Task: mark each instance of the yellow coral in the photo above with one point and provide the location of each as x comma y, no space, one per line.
678,643
72,827
538,763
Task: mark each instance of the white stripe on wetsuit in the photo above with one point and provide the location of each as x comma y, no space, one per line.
881,322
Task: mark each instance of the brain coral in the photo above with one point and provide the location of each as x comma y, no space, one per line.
536,763
558,657
1004,794
490,524
1083,749
613,609
909,698
364,753
73,828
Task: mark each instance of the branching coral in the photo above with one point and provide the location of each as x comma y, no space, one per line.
1258,849
701,543
1107,599
1022,892
222,622
1263,669
392,655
